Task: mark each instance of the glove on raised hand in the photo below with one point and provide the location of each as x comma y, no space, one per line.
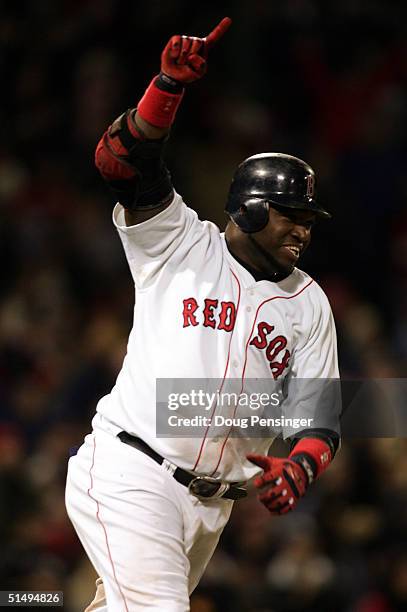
184,57
182,61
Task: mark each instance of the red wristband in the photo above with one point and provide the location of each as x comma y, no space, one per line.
159,107
317,449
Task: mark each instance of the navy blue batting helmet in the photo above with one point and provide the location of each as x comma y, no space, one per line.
270,179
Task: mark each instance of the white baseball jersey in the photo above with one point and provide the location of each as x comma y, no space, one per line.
200,314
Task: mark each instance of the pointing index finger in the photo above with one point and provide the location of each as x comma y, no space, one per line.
217,32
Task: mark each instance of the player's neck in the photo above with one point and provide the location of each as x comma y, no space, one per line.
258,275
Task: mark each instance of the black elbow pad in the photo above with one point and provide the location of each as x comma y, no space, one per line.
151,185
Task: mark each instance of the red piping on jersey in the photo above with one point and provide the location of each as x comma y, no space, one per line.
102,525
276,297
224,375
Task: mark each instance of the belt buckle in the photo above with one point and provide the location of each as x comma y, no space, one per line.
200,488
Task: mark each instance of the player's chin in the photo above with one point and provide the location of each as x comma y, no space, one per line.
278,262
286,261
287,269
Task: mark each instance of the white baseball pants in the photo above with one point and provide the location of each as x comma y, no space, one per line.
146,535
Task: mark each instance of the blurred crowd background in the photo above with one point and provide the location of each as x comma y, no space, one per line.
322,80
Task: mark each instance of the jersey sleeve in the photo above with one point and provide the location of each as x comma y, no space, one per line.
151,244
313,393
316,354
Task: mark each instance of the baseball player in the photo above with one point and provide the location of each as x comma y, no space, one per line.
149,510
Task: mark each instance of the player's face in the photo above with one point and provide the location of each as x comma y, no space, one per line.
280,244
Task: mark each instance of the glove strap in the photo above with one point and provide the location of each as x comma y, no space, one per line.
313,455
166,83
159,104
308,466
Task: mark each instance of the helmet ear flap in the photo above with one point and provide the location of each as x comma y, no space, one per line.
251,214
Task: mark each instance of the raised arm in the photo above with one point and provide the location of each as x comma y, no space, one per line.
129,155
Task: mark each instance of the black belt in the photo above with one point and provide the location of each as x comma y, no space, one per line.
203,487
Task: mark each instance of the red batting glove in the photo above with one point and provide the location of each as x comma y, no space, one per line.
282,483
184,57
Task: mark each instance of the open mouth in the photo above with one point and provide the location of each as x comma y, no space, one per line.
293,250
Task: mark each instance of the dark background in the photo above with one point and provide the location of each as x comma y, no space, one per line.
322,80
